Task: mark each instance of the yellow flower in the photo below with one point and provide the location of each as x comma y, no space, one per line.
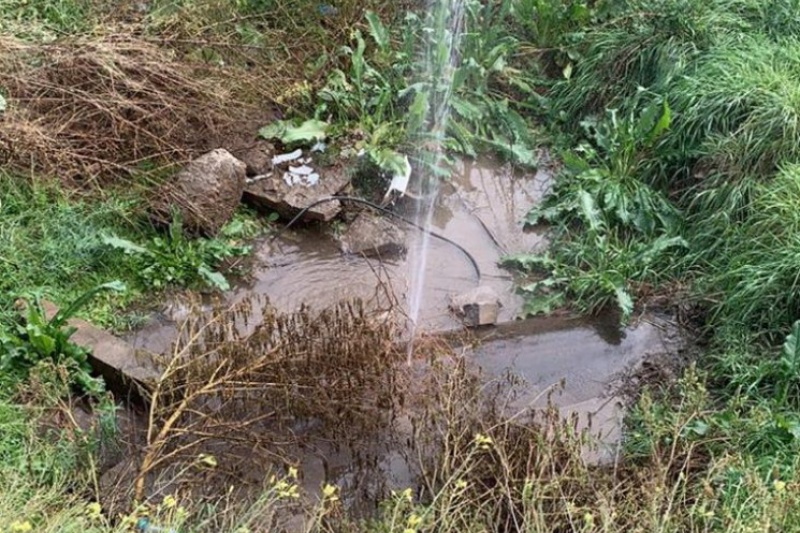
461,484
21,527
169,501
329,492
484,442
779,485
94,511
208,460
293,472
414,520
409,530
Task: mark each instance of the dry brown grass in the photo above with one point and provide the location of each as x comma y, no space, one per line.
89,108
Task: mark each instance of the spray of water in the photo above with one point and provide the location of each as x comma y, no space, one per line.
443,28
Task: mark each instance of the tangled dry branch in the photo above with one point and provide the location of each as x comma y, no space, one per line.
89,108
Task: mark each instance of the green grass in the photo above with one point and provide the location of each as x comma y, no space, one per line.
58,246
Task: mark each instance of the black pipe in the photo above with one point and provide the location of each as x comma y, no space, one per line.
388,212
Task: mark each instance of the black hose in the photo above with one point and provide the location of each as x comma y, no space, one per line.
388,212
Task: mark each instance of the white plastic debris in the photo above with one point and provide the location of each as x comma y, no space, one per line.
285,158
312,179
399,182
260,177
319,146
304,170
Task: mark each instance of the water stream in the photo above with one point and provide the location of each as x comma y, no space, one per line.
441,55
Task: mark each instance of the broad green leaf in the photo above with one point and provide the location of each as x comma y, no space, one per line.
308,131
276,130
124,244
791,348
214,279
591,214
390,161
378,31
662,125
65,314
543,304
624,301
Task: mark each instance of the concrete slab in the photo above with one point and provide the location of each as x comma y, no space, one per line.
126,370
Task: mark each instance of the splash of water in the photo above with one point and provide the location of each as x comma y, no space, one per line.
444,27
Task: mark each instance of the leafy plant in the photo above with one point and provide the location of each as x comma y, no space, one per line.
627,229
174,259
35,338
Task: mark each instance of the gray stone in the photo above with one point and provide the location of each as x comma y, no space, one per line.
373,236
273,193
478,307
206,192
257,159
126,370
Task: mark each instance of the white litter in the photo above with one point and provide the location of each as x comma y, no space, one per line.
285,158
260,177
305,170
312,180
319,147
399,182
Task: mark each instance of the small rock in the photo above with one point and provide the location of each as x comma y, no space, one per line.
478,307
257,158
372,236
206,192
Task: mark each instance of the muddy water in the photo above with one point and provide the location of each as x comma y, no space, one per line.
481,208
580,362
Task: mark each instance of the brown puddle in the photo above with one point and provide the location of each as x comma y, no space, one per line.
482,209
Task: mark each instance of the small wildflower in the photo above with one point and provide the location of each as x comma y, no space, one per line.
19,526
208,460
779,485
461,484
407,494
293,472
409,530
287,490
414,520
169,501
484,442
94,511
329,493
588,519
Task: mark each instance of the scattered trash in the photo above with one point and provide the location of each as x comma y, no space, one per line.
319,146
285,158
305,170
255,179
399,184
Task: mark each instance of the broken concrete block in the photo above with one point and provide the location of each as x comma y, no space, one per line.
126,370
288,198
373,236
478,307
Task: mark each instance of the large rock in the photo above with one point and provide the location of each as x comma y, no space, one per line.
206,192
373,236
478,307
